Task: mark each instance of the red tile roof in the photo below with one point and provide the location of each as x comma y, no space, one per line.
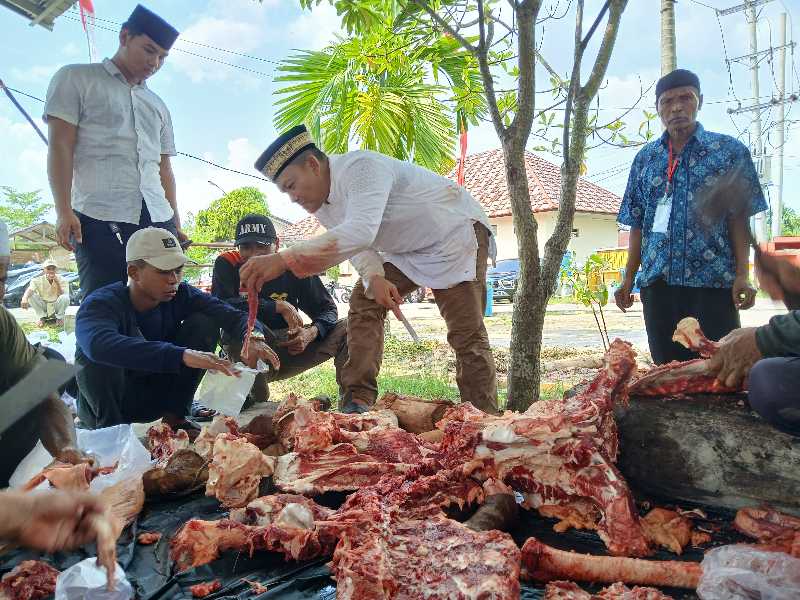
485,178
302,230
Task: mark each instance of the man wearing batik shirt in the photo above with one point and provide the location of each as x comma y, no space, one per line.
690,267
108,157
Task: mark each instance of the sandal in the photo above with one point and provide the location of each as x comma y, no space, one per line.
201,413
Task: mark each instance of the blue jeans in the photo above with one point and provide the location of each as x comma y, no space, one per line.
773,392
101,255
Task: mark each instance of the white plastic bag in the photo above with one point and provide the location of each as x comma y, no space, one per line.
226,394
110,445
742,572
65,346
86,580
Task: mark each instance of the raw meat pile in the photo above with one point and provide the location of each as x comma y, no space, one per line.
390,539
29,580
688,377
567,590
559,452
772,530
236,470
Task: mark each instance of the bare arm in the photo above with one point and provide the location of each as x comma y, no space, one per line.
634,255
623,297
60,155
171,192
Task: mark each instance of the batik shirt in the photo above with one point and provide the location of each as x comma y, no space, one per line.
690,253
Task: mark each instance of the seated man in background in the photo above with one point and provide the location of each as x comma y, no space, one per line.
278,302
48,295
145,346
51,421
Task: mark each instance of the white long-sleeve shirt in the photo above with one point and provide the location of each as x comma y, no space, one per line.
381,209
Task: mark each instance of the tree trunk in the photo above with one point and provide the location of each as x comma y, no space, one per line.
668,55
528,316
707,449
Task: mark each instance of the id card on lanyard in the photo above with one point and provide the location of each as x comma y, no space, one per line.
664,206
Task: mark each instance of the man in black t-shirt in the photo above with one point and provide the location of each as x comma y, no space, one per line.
304,347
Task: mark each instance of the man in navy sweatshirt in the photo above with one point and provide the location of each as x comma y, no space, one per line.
145,346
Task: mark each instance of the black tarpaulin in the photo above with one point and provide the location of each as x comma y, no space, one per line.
149,570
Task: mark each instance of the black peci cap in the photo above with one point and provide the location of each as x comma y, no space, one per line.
148,22
256,229
283,150
677,78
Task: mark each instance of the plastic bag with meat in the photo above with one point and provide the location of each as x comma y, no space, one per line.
740,571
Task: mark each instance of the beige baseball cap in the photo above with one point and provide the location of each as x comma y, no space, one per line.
157,247
49,263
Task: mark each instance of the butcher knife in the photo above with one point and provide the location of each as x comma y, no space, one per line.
32,390
402,318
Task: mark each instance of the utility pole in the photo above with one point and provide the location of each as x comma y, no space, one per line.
777,200
758,154
669,59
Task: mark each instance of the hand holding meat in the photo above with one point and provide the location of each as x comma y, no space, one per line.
737,354
194,359
289,313
258,349
49,521
385,292
260,269
744,294
297,344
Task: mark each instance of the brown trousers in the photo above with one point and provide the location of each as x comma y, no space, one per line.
317,352
462,308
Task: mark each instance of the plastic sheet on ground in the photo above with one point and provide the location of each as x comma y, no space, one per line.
149,571
744,572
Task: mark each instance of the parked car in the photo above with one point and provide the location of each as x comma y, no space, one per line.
503,279
17,286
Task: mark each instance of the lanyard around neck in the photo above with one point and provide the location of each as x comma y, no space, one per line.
671,164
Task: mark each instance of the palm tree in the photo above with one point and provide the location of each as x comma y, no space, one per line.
375,93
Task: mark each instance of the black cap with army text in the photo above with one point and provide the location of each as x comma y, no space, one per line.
282,151
148,22
675,79
255,229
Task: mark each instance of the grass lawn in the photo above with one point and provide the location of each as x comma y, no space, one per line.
426,370
52,331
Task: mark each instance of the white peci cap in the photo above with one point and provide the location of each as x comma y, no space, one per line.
157,247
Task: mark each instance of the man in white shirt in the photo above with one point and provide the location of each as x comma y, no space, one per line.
48,295
402,227
109,154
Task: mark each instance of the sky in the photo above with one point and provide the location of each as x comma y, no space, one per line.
218,82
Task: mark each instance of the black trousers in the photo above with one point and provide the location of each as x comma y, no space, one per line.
664,305
101,255
773,392
111,395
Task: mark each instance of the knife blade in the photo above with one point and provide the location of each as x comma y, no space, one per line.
32,390
402,318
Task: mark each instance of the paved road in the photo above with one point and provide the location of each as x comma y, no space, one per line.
565,324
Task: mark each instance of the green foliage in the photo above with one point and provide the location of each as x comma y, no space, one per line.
401,93
21,209
588,288
333,273
217,223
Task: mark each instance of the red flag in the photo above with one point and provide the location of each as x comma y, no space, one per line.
87,18
463,155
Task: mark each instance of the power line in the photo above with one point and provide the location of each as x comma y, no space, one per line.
209,58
